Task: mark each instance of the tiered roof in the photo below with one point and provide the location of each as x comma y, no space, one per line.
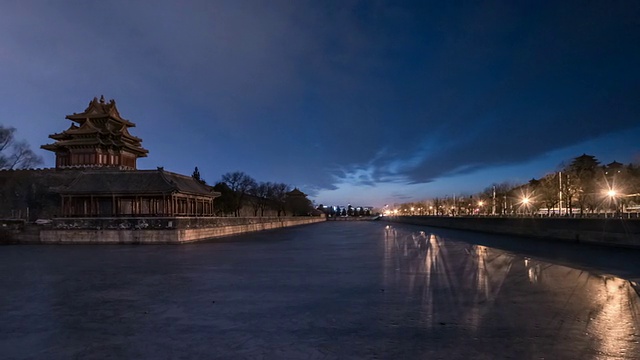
99,125
139,182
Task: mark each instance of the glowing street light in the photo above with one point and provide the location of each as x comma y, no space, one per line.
613,198
525,201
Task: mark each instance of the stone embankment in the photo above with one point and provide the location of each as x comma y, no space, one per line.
610,232
145,230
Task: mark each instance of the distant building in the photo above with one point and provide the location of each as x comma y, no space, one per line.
101,138
96,176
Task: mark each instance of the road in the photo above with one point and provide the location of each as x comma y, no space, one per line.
335,290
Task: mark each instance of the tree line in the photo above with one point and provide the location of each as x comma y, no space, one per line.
239,192
581,187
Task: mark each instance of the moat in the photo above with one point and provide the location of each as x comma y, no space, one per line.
329,290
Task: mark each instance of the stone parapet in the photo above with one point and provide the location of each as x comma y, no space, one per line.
160,230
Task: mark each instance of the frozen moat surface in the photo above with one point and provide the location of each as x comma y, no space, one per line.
341,290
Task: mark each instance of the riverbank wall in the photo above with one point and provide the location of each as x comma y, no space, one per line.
145,230
609,232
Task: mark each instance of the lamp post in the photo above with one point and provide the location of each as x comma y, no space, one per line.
613,199
525,203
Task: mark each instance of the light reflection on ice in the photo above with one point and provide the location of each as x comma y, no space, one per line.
478,284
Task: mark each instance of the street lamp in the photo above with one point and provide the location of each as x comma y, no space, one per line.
525,202
613,198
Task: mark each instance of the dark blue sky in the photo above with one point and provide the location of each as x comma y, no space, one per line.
362,102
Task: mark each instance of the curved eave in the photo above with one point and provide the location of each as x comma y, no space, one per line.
51,147
80,118
60,136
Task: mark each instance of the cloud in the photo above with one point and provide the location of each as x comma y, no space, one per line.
323,95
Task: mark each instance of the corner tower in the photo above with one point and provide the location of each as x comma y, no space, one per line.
97,137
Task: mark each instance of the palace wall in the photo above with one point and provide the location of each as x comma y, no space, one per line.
160,231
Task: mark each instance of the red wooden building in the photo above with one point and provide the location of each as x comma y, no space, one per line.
100,149
97,137
135,193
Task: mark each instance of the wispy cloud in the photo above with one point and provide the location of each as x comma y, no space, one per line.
328,95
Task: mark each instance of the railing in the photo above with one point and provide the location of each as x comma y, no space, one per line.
621,215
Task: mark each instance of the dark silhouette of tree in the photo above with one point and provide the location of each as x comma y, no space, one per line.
584,172
437,206
196,176
260,197
240,183
498,195
225,203
548,192
277,193
15,154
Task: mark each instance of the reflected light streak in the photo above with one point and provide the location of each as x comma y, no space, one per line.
614,324
440,280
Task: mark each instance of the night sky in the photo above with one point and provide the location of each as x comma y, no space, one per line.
361,102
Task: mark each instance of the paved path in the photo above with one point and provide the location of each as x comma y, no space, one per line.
342,290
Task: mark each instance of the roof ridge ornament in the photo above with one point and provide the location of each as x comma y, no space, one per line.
101,99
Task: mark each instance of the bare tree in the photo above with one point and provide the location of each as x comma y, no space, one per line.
277,193
240,183
15,154
549,191
260,198
584,172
